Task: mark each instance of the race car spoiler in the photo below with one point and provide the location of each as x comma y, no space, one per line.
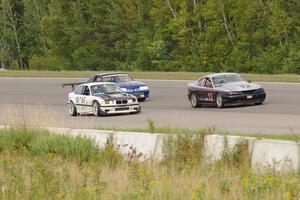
72,84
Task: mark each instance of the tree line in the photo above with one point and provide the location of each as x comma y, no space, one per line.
259,36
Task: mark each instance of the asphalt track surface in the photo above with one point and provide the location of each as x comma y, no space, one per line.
167,106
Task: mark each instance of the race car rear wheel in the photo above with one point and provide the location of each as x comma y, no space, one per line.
97,110
219,101
72,109
194,101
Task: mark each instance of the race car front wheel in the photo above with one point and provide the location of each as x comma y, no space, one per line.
97,110
141,99
72,109
219,101
194,101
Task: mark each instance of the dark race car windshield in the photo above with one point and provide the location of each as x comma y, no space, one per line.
226,78
105,89
117,78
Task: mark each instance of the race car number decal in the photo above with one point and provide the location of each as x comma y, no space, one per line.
210,96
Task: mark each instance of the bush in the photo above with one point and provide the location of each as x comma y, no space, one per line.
48,63
38,63
184,149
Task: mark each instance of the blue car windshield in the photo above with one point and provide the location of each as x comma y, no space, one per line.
226,78
105,89
117,78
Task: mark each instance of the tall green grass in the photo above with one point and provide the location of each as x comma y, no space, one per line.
34,142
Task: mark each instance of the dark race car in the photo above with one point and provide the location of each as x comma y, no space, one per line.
225,89
124,81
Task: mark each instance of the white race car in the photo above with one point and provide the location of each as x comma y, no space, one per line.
101,99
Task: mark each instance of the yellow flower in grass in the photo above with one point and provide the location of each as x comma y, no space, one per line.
288,195
50,155
267,179
152,183
244,180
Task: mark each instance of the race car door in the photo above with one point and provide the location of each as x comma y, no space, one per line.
205,90
77,97
86,100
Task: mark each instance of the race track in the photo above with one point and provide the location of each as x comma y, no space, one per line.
168,106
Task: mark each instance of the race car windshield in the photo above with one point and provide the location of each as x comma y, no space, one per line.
228,78
117,78
105,89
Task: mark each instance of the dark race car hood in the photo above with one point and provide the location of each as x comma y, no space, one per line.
239,86
130,84
121,96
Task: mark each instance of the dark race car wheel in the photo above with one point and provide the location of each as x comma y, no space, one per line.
141,99
72,109
219,101
97,110
259,103
194,101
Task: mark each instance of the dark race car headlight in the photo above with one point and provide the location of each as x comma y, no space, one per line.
260,90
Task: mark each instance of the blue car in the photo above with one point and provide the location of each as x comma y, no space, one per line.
125,82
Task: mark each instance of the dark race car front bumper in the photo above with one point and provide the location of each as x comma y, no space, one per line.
244,98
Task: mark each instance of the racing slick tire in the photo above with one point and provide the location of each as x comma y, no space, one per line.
72,109
195,101
219,101
97,110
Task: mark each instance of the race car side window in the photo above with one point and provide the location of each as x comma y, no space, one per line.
207,82
86,91
200,82
98,79
108,79
78,90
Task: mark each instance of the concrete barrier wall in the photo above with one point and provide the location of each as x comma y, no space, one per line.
101,137
277,155
216,145
141,145
131,145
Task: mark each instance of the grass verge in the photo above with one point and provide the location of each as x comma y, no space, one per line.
26,174
150,75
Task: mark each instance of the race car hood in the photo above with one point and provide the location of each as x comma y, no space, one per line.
130,84
239,86
118,96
